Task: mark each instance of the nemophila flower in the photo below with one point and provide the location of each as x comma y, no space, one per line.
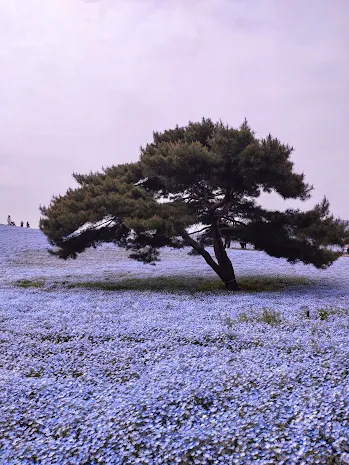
94,377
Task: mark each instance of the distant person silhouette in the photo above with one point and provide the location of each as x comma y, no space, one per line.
22,224
28,226
9,221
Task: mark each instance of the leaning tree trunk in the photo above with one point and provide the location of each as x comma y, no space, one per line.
227,273
223,268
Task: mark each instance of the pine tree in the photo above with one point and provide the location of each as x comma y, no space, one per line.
205,173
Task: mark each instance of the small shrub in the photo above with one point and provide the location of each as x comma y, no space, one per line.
323,314
229,322
270,317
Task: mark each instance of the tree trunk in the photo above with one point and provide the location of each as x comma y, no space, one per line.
223,268
227,273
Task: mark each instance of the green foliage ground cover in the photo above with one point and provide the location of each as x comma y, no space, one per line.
177,284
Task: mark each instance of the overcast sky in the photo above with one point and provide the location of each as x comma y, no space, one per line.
83,83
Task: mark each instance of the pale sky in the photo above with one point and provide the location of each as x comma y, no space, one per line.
83,83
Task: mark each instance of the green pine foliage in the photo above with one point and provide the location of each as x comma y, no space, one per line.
206,174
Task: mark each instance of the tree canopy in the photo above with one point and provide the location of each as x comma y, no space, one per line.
206,175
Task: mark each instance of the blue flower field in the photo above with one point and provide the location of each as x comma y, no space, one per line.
125,377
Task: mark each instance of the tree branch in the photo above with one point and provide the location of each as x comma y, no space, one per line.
233,220
201,250
226,201
195,232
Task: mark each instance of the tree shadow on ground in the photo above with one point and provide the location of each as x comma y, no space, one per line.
191,285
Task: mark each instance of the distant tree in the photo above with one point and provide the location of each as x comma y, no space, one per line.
206,174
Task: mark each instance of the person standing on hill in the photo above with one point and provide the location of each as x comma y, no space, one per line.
9,221
28,225
22,224
227,242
